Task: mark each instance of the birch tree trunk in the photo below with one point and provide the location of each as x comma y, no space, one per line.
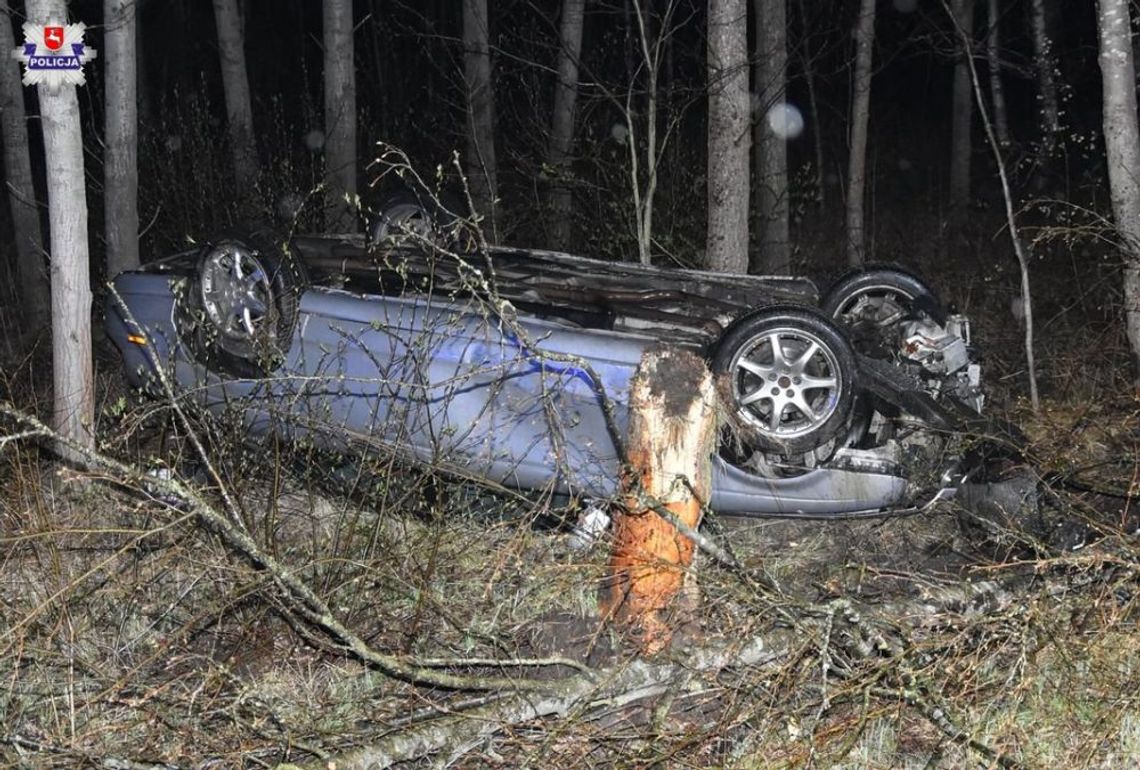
73,386
482,172
340,117
1122,147
120,164
30,265
235,84
993,59
562,122
1046,76
860,114
773,256
962,113
728,138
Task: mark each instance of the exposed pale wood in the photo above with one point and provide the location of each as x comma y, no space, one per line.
672,436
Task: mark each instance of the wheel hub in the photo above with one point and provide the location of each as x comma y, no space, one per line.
786,383
235,292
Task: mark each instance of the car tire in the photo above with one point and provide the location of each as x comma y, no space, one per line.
797,400
879,296
410,218
238,311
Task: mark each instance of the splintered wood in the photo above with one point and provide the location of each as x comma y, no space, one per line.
672,436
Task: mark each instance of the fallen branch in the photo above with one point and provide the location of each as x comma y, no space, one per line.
638,680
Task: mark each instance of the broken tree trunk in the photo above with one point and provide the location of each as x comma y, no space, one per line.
672,435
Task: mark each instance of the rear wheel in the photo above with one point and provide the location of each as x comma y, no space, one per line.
408,218
788,378
873,302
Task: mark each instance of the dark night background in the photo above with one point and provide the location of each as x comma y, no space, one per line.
410,94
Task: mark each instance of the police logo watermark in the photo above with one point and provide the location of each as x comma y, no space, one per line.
53,54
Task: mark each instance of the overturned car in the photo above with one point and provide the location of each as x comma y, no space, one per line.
514,365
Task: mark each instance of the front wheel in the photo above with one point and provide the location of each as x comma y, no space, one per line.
787,374
238,312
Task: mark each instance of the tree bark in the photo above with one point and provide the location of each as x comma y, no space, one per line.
235,84
962,113
562,122
73,383
860,114
120,165
813,105
482,171
145,107
1122,147
340,117
30,265
650,47
728,137
773,256
672,438
1045,66
997,90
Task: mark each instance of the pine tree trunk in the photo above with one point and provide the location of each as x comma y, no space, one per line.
562,122
340,117
813,106
482,172
649,45
997,90
235,84
30,265
962,114
860,114
1045,65
1122,147
773,256
73,386
728,137
672,437
120,164
145,107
